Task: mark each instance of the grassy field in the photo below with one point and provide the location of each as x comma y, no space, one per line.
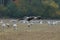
35,32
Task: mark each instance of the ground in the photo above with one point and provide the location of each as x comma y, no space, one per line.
35,32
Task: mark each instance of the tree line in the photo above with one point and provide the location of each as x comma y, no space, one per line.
44,8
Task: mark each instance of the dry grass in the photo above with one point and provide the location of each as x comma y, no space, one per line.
36,32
